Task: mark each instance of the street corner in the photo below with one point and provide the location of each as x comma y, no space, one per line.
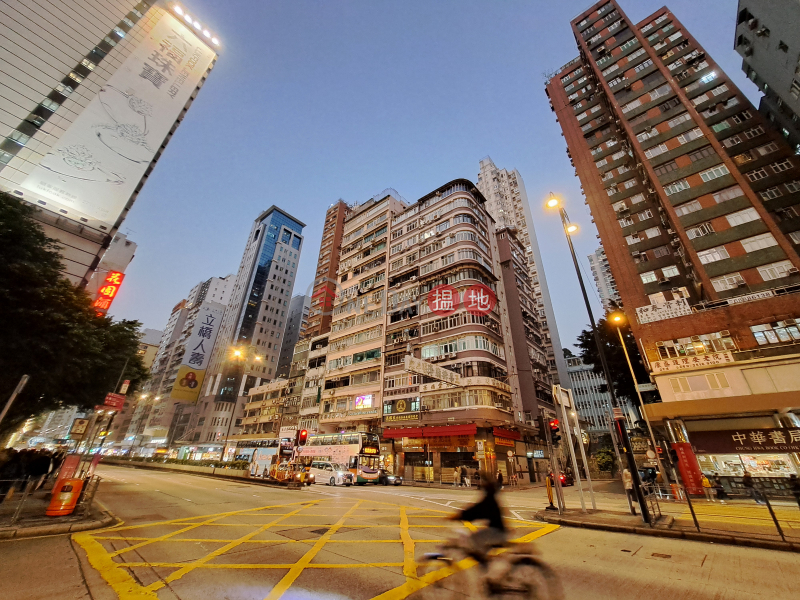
373,546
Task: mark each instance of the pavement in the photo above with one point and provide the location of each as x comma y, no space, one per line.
186,537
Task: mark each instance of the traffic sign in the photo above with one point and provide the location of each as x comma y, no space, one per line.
115,401
510,453
79,426
124,387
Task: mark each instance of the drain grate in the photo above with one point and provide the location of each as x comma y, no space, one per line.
657,555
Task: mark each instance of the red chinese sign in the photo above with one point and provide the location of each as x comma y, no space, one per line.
479,300
690,470
444,300
108,291
115,401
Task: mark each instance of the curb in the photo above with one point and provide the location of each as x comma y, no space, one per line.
694,536
9,533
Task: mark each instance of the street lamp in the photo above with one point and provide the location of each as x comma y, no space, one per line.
237,355
617,318
619,418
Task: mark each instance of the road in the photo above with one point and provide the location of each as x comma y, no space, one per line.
196,538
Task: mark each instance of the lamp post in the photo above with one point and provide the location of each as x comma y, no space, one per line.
619,418
236,355
617,318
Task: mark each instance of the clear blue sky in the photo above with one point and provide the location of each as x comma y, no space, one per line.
312,101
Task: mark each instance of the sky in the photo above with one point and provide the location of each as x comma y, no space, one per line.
312,101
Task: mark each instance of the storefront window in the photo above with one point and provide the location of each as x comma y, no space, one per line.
758,465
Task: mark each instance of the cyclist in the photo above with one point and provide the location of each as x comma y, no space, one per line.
495,534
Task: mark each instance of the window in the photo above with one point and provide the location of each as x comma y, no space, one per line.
776,333
767,148
652,232
690,135
784,165
730,281
666,168
109,41
75,77
754,132
732,141
656,150
795,236
397,248
713,255
742,216
677,186
702,153
661,251
18,137
50,104
699,230
759,242
88,64
793,186
631,105
757,174
643,65
649,277
64,90
629,184
633,238
611,190
721,126
600,163
618,206
728,194
794,90
669,104
119,32
689,207
714,173
625,221
640,198
775,270
5,157
741,117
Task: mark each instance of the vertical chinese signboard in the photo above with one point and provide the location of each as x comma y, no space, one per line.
95,166
198,352
108,291
689,468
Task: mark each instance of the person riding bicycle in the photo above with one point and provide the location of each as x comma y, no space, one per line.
495,534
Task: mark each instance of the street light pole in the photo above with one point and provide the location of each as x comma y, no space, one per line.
619,418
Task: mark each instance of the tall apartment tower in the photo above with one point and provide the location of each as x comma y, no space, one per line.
768,39
594,405
696,200
248,344
296,320
507,203
325,278
604,280
92,93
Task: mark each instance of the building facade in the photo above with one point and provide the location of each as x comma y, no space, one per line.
296,323
696,201
604,280
88,108
594,405
507,203
769,42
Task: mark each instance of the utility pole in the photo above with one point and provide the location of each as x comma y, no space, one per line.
17,390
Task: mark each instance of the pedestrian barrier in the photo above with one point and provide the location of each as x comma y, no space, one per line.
28,500
754,514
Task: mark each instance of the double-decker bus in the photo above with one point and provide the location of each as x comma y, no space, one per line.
361,452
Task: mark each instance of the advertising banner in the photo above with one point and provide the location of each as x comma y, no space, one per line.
94,168
689,468
747,441
198,352
115,401
666,310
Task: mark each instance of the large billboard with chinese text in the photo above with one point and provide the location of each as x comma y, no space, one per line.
108,291
94,168
197,354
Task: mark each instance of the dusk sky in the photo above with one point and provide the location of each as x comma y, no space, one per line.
314,101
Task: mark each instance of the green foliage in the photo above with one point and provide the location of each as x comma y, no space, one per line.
234,464
605,459
50,331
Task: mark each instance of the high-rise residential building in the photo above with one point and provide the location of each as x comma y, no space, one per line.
325,277
768,39
507,203
697,202
296,320
92,93
604,280
248,344
149,342
594,405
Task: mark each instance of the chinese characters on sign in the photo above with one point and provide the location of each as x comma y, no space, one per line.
691,362
746,440
115,401
665,310
416,365
444,300
198,352
108,291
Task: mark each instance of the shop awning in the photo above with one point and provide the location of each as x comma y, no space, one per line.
471,429
509,434
402,432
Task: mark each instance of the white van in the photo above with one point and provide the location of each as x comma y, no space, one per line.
331,473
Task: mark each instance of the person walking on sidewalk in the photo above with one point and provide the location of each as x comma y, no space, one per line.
464,476
456,477
794,487
707,488
627,483
749,486
499,480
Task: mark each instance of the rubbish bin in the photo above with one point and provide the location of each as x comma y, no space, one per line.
65,498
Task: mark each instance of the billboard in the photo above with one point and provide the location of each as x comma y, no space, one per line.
197,353
94,168
108,291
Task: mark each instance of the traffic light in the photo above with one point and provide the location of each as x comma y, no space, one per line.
673,456
302,437
554,430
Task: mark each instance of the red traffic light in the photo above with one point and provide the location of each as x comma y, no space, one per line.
302,437
554,424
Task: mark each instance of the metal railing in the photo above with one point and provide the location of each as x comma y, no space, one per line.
752,513
26,500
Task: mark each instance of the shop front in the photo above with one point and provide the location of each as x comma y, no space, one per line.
769,455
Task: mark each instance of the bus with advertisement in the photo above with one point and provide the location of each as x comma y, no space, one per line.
360,451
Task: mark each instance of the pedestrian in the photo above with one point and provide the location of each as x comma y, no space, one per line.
717,485
456,476
794,487
464,476
749,486
499,480
476,479
627,483
707,488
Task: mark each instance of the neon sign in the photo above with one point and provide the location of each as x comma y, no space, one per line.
108,291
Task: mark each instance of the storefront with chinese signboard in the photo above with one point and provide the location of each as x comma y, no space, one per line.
770,455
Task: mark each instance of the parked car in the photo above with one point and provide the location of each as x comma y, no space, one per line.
566,479
386,478
331,473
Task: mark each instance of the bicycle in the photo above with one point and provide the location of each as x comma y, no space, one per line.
508,571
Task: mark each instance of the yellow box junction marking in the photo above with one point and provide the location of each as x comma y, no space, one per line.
115,568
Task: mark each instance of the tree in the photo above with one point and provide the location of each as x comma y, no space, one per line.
615,356
605,459
49,329
567,353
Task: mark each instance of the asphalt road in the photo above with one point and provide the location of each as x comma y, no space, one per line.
196,538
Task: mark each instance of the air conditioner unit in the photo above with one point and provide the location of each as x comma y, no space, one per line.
742,283
659,343
748,51
670,232
675,290
662,281
635,253
690,276
724,333
436,217
412,278
498,405
793,271
695,338
453,355
676,254
675,242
